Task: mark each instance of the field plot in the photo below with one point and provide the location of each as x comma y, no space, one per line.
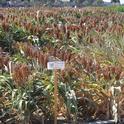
91,43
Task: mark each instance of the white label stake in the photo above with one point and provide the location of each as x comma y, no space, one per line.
55,65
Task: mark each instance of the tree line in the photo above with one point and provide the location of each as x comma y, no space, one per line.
54,1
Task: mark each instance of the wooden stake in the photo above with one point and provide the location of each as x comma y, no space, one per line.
55,96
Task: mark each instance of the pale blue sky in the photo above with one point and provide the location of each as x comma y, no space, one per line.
122,1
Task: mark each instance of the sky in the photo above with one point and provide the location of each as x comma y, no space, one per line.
122,1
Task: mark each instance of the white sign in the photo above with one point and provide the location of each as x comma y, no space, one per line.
56,65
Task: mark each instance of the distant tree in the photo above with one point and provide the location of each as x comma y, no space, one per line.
2,1
115,1
86,2
98,2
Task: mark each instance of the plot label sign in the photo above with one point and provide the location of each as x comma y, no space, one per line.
56,65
